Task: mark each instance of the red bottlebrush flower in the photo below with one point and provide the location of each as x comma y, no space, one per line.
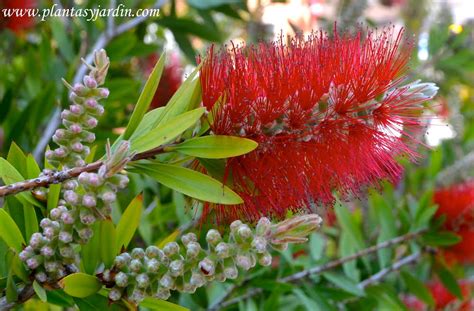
444,298
170,81
456,203
328,114
20,19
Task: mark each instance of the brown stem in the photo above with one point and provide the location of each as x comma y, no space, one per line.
26,293
61,176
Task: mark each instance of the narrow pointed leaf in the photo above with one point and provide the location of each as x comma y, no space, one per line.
216,147
40,291
416,287
80,285
9,231
108,242
189,182
10,175
129,222
162,305
167,132
187,97
145,98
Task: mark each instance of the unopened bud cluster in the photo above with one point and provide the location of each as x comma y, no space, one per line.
156,272
52,253
80,118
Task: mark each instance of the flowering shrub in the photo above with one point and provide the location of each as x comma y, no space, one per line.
265,133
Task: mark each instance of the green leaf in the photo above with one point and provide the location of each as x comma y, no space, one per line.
80,285
12,292
32,167
305,301
53,196
17,266
40,291
443,238
147,122
129,222
167,132
386,298
189,182
10,175
9,231
16,157
162,305
449,281
108,242
187,97
90,253
145,98
62,40
416,287
215,147
31,221
344,283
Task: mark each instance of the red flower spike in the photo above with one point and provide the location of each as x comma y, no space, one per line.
328,114
456,202
20,20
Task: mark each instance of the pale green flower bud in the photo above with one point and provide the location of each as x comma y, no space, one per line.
265,259
189,237
162,293
167,281
223,250
138,253
142,280
176,268
171,249
213,237
136,265
121,279
259,244
115,294
197,280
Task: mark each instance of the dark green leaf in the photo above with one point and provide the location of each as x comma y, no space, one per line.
449,281
443,238
417,288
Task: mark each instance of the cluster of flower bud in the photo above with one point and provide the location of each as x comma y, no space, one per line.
80,118
156,272
51,253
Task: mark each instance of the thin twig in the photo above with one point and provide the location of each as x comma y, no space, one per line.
394,267
110,33
61,176
222,302
25,294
